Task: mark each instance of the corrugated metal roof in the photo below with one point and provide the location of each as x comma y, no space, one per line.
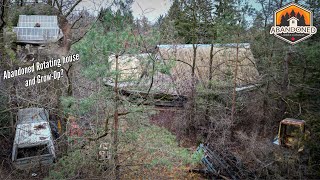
38,29
44,21
241,45
35,1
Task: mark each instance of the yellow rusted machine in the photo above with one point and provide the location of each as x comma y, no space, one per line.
291,134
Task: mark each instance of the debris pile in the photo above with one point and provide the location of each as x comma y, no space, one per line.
225,165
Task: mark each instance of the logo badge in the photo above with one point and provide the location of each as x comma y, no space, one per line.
293,23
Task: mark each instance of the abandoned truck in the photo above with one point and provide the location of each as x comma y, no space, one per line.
292,134
33,143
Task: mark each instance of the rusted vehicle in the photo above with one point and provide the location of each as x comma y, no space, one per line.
292,133
33,143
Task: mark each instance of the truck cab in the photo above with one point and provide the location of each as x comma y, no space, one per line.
291,134
33,143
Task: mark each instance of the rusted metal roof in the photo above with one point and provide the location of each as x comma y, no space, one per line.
293,121
33,127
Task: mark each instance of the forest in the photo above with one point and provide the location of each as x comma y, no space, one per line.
203,91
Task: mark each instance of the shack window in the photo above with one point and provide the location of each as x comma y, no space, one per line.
32,151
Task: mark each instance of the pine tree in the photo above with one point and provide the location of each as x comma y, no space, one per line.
298,15
226,18
302,21
174,10
168,30
292,14
286,17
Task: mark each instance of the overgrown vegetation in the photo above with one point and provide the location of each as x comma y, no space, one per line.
112,91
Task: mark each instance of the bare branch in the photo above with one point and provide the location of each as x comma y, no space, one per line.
77,20
72,8
3,23
59,5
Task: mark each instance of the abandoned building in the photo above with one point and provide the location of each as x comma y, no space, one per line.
175,86
37,29
28,2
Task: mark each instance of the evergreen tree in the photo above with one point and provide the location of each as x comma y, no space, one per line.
302,21
113,36
292,14
258,21
174,10
195,21
227,17
169,33
298,15
283,21
286,17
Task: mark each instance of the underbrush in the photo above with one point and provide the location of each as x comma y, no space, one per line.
145,151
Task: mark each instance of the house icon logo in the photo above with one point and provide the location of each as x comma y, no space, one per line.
293,23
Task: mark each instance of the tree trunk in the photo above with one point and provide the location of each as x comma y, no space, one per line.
193,93
192,124
69,77
66,29
2,26
284,85
210,83
116,123
234,94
